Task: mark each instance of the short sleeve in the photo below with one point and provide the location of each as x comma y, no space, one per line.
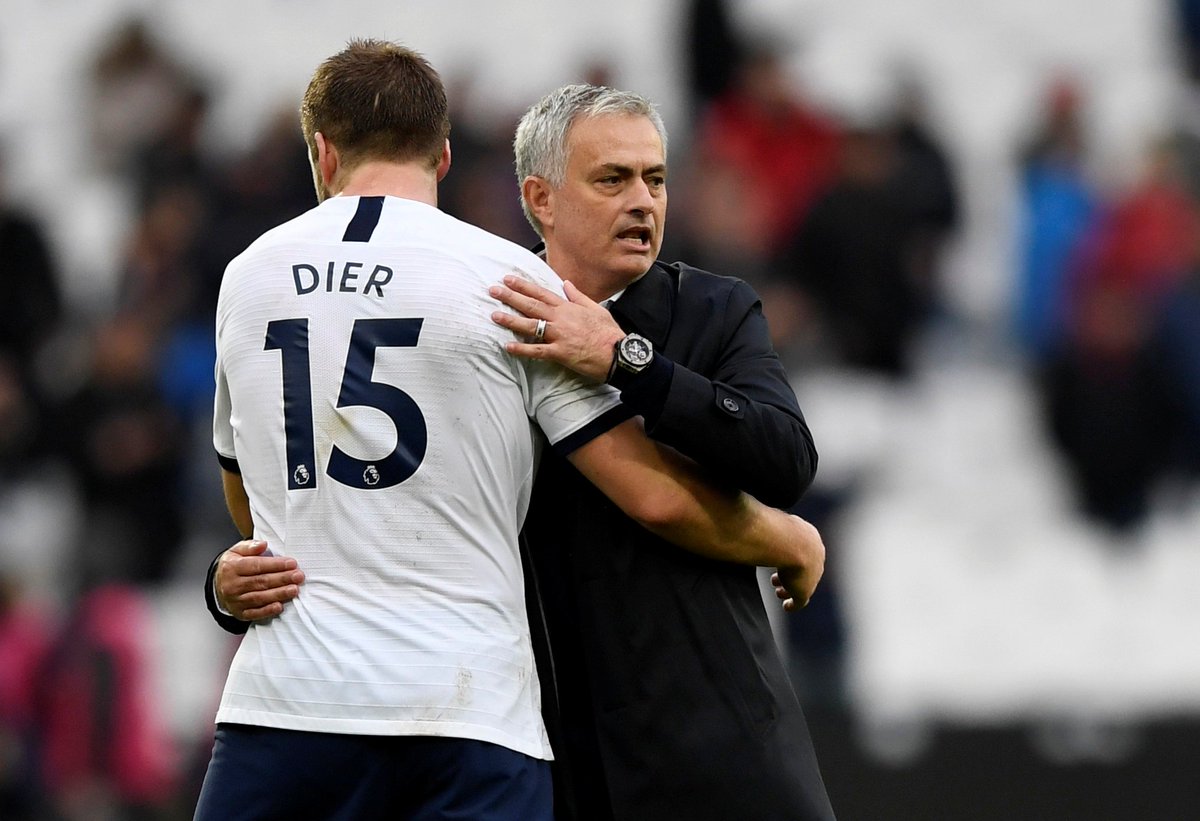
569,409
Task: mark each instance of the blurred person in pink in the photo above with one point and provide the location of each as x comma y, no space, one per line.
24,640
105,752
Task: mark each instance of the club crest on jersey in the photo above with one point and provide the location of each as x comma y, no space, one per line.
371,476
301,476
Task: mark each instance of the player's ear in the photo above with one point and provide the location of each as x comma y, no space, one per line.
539,197
327,159
444,163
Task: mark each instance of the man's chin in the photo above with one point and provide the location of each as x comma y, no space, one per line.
633,265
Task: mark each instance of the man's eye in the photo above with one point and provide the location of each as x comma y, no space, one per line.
658,182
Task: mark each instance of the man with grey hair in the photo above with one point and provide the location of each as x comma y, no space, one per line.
671,698
664,692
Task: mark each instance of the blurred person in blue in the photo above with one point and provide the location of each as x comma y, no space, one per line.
1059,209
402,684
664,690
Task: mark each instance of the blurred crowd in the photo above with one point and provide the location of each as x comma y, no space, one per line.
841,223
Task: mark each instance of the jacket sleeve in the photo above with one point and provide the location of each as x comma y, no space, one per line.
742,422
230,624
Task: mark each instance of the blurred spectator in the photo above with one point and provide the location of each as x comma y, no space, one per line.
766,145
137,92
269,184
926,184
1145,238
1108,390
1187,24
161,279
1109,407
126,448
479,187
854,258
713,50
175,158
1059,208
29,314
104,750
761,155
24,640
1176,344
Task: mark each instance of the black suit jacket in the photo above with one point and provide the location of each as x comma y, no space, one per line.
666,694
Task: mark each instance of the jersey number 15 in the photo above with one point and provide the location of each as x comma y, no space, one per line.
290,338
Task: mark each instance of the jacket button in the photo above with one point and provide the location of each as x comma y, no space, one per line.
730,405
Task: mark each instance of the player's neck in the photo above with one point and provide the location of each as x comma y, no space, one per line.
410,181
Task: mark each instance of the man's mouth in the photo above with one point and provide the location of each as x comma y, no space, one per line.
638,237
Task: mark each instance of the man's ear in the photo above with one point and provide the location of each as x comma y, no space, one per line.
539,197
327,160
444,163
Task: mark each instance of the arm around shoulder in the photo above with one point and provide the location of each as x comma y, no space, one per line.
670,496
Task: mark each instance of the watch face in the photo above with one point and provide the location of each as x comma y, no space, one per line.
637,351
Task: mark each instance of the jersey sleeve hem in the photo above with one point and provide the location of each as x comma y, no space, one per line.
600,425
229,463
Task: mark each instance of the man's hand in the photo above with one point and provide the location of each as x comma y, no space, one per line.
794,585
580,333
253,586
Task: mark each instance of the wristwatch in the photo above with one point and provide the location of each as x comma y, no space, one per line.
631,354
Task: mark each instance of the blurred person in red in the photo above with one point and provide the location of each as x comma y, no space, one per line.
1108,383
1144,240
761,157
782,149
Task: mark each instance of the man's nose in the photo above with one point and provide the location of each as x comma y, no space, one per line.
641,199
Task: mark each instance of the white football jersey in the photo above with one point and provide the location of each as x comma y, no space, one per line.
385,441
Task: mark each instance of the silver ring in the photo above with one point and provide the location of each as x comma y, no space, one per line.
539,332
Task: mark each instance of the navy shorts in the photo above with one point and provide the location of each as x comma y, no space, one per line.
262,774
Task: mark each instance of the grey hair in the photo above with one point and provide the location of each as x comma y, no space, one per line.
540,145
